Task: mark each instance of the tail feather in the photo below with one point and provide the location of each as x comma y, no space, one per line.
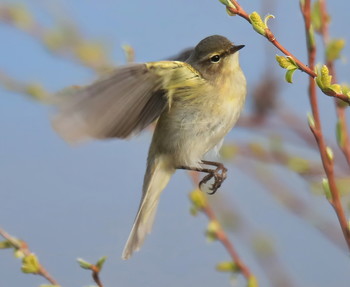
157,176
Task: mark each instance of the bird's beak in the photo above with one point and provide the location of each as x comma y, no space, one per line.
236,48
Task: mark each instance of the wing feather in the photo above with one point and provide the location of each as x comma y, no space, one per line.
123,103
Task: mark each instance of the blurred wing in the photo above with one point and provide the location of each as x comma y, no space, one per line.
122,104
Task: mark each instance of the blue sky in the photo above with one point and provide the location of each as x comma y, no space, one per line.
70,202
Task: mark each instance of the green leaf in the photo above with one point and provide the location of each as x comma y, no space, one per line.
267,18
212,230
30,264
198,199
336,88
311,120
334,49
326,188
227,3
311,39
289,75
329,153
257,23
340,135
18,253
84,264
100,262
286,62
252,281
316,16
5,244
227,266
298,164
326,79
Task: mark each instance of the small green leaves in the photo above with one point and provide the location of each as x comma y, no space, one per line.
334,49
289,64
212,230
252,281
289,75
340,134
198,199
326,189
267,18
100,262
20,16
94,267
36,91
30,264
298,164
227,266
257,23
228,3
228,151
329,153
229,12
229,6
84,264
311,38
5,244
324,81
317,19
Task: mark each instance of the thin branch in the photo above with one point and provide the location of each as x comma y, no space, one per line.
222,236
23,247
344,144
238,10
96,276
317,130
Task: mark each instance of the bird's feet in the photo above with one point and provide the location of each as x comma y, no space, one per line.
219,175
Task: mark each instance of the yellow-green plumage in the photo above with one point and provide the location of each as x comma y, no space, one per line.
196,102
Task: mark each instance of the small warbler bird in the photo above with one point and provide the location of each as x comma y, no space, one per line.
196,101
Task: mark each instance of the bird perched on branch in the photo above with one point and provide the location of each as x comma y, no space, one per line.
196,101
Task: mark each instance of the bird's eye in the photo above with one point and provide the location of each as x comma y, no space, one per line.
215,59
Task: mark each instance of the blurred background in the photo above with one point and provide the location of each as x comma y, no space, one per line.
80,201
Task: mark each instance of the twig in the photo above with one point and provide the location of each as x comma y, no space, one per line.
96,275
344,144
23,247
238,10
223,238
316,129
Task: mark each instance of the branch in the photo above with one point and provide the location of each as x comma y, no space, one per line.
95,268
342,130
215,231
315,126
33,266
326,153
233,8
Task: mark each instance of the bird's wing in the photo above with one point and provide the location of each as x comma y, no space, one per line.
123,103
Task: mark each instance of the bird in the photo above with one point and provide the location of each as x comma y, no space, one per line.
194,103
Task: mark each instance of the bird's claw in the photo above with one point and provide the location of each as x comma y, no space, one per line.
219,175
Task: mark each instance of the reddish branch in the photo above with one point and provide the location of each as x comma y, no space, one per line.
222,236
238,10
22,246
345,143
96,275
317,130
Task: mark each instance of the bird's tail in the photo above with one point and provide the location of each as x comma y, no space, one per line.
157,176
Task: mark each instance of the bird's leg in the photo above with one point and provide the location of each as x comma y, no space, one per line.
219,174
